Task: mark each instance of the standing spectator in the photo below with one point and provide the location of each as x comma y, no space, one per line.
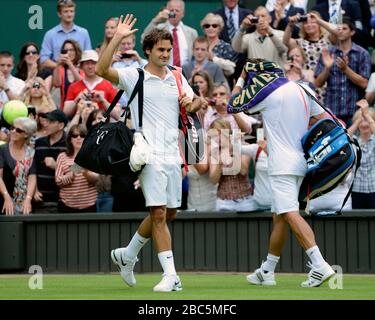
37,96
161,178
220,52
286,120
346,68
270,4
203,81
67,70
77,189
126,56
295,67
90,89
363,195
47,150
264,41
29,66
109,31
17,169
201,62
55,37
10,87
170,19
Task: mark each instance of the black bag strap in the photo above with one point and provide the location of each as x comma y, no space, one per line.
137,89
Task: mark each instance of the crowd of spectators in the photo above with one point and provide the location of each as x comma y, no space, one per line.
329,47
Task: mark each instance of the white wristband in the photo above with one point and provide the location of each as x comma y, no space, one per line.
240,82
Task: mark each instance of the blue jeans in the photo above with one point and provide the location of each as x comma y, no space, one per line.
104,202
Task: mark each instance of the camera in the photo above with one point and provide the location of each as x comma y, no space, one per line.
64,51
195,88
254,19
126,56
302,18
36,85
172,14
89,96
290,58
212,102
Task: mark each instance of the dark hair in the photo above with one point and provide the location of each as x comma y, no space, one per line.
22,71
206,76
92,117
348,21
77,49
69,146
6,54
154,37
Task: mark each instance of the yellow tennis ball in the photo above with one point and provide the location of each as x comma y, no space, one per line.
14,109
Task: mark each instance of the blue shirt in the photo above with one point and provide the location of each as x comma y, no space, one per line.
55,37
341,93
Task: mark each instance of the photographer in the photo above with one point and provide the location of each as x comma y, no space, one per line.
169,18
67,70
127,56
282,11
295,67
90,89
264,41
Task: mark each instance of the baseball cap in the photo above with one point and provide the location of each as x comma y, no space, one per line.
88,55
57,115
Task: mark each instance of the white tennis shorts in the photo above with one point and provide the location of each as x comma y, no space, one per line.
285,189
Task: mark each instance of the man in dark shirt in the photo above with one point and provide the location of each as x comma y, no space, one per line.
46,151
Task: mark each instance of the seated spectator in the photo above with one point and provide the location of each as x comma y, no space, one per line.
37,96
200,62
17,186
92,88
170,18
84,109
29,65
202,82
67,70
126,56
10,87
77,189
295,67
363,128
282,11
109,31
220,52
47,150
239,120
228,168
264,42
55,37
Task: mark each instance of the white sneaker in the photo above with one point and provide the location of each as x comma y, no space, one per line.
259,277
125,266
168,284
317,276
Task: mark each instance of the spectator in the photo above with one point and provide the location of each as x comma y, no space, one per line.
237,121
295,67
29,66
228,168
220,52
346,68
47,150
127,56
91,89
201,82
270,4
55,37
201,62
67,70
170,18
282,11
109,31
370,90
17,169
363,195
37,96
264,41
77,189
84,109
10,87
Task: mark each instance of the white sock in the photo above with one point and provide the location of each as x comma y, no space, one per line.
167,262
135,245
315,256
271,262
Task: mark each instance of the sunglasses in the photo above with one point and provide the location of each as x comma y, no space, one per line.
219,94
78,135
206,26
18,130
31,53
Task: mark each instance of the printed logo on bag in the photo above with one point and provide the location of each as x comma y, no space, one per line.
101,136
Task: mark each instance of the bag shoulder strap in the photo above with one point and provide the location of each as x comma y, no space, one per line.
137,89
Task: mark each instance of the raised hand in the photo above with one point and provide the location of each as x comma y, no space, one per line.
125,26
328,59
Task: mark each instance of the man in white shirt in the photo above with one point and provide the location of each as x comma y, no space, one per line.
270,5
10,87
161,178
170,19
287,112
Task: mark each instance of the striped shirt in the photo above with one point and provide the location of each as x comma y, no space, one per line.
80,194
342,94
364,181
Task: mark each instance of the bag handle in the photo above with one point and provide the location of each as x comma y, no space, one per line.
137,89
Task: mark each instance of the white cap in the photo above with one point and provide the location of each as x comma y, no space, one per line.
88,55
